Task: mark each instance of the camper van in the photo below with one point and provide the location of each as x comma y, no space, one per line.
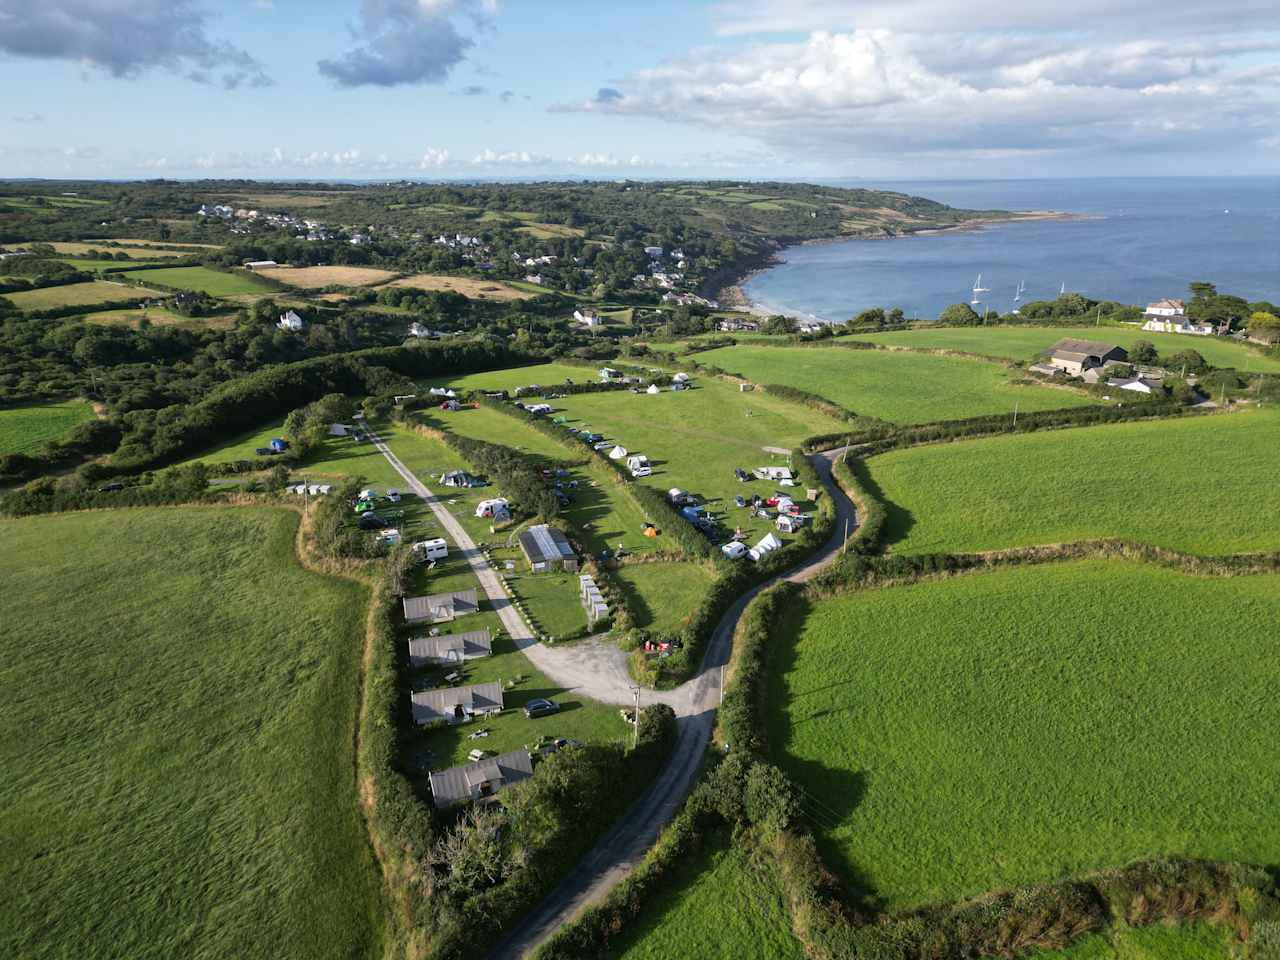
638,464
436,549
494,509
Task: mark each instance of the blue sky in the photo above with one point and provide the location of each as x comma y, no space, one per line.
493,88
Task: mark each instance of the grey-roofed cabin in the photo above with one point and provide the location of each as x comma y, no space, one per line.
454,648
1075,356
440,607
456,704
547,548
476,781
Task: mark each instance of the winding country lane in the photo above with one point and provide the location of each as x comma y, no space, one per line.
598,670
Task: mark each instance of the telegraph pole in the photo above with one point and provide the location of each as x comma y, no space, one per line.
635,733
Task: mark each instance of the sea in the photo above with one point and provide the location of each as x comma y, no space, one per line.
1137,240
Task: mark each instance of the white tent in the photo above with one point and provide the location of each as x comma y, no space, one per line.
653,388
768,544
618,453
680,378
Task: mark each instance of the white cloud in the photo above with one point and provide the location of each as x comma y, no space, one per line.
510,158
434,157
883,93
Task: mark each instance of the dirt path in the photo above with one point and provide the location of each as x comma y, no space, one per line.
598,670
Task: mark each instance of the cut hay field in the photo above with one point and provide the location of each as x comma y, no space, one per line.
160,317
180,702
204,280
720,903
27,429
901,387
1033,723
324,276
1027,343
86,294
469,287
1201,484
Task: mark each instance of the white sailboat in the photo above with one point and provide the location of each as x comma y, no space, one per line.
1022,288
979,289
1063,291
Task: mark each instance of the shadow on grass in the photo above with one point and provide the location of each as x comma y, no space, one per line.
641,613
898,522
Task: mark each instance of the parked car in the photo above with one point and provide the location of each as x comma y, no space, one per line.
371,521
540,708
742,475
740,501
263,451
393,496
111,488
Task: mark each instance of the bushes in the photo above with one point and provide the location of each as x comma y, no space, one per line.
179,485
742,721
810,400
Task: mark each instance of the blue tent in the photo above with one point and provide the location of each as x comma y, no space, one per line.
279,446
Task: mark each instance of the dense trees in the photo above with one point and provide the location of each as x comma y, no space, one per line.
959,315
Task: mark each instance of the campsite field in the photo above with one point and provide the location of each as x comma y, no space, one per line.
181,700
204,280
86,294
326,276
695,438
1027,343
720,903
897,386
542,374
26,429
1024,725
470,287
1200,484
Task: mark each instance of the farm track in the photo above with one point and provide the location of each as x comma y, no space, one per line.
598,670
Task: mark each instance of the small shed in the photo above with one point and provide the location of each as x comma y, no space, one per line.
457,704
440,607
452,648
480,780
547,548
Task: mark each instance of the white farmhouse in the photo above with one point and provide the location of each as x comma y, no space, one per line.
292,322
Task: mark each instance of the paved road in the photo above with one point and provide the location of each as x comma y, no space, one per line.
598,670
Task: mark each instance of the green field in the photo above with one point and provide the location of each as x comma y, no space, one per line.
180,705
721,902
543,374
1034,723
88,294
1192,942
662,595
27,429
82,264
203,279
897,386
1201,484
1027,343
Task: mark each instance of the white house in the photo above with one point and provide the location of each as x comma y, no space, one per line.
587,318
1166,308
417,329
608,373
533,278
1170,316
654,252
292,322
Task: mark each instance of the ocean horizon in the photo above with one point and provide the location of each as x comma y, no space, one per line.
1136,239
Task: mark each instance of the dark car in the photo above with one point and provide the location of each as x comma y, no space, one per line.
740,501
540,708
742,475
264,451
111,488
371,521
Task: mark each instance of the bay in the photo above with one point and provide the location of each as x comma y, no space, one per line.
1140,239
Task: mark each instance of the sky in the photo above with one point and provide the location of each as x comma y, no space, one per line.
488,89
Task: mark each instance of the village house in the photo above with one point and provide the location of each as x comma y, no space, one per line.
547,548
480,780
734,325
1170,316
440,607
1073,356
292,322
587,318
450,649
456,704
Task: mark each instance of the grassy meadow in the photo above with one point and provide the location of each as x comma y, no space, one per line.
180,699
1200,484
1033,723
720,903
1199,941
662,595
204,280
900,387
1027,343
543,374
87,294
27,429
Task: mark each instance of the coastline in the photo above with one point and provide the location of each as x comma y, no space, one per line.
733,296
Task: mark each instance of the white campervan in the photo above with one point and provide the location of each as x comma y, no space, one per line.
436,549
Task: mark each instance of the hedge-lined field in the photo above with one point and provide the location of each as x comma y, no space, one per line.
543,374
180,698
1027,343
26,429
897,386
1034,723
87,294
1191,942
661,596
1203,484
719,903
203,279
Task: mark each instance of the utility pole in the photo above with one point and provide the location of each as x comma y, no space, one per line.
844,545
1015,412
635,733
